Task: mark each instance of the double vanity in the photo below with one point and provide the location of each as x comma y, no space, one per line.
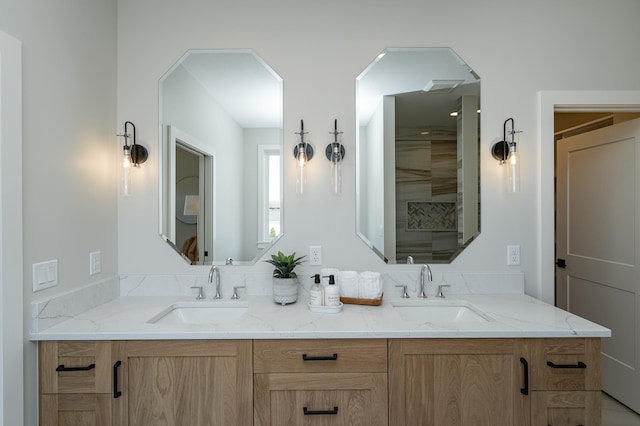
472,359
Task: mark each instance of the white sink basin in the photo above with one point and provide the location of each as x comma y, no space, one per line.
201,312
439,311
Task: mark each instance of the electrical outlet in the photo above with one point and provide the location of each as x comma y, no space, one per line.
95,262
315,255
513,255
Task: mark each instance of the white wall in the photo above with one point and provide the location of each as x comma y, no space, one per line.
11,335
68,145
517,49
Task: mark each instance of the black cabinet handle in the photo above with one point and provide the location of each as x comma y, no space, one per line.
61,367
308,412
580,364
525,371
561,263
116,392
333,357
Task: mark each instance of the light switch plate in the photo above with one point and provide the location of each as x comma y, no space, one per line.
45,275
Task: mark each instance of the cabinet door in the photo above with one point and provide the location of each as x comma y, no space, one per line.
319,399
187,383
75,410
457,382
566,408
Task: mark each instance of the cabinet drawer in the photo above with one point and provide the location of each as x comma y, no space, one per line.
314,356
565,408
566,364
75,367
343,399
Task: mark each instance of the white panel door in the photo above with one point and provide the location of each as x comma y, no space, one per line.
598,236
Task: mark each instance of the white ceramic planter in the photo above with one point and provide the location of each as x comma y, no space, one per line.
285,290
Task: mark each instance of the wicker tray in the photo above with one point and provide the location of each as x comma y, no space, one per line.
358,301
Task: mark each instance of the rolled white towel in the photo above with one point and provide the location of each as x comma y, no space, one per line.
348,283
370,285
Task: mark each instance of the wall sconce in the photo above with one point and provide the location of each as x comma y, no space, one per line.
303,152
506,152
335,154
132,155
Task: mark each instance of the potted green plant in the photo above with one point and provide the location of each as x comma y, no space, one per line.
285,280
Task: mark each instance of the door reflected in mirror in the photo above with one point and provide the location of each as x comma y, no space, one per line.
417,168
221,157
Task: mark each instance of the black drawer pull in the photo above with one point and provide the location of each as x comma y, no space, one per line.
61,367
525,368
308,412
116,392
333,357
580,364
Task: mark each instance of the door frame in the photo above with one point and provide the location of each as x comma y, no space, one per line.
11,257
550,102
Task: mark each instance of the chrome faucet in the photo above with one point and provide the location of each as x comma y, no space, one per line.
215,272
200,295
429,275
409,260
440,293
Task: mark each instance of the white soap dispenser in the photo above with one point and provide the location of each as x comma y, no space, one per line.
332,293
316,294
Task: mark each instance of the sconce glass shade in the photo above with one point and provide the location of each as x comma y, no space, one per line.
335,154
303,152
513,169
125,172
336,170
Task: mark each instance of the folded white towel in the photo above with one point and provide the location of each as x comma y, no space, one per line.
370,285
348,283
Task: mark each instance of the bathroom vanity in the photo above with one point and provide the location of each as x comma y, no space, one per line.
523,362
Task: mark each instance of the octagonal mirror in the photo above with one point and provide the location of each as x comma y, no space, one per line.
220,159
418,177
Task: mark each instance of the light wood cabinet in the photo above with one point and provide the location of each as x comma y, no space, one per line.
75,383
140,383
457,382
178,382
565,381
528,382
320,382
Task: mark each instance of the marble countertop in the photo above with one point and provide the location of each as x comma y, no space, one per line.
510,316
